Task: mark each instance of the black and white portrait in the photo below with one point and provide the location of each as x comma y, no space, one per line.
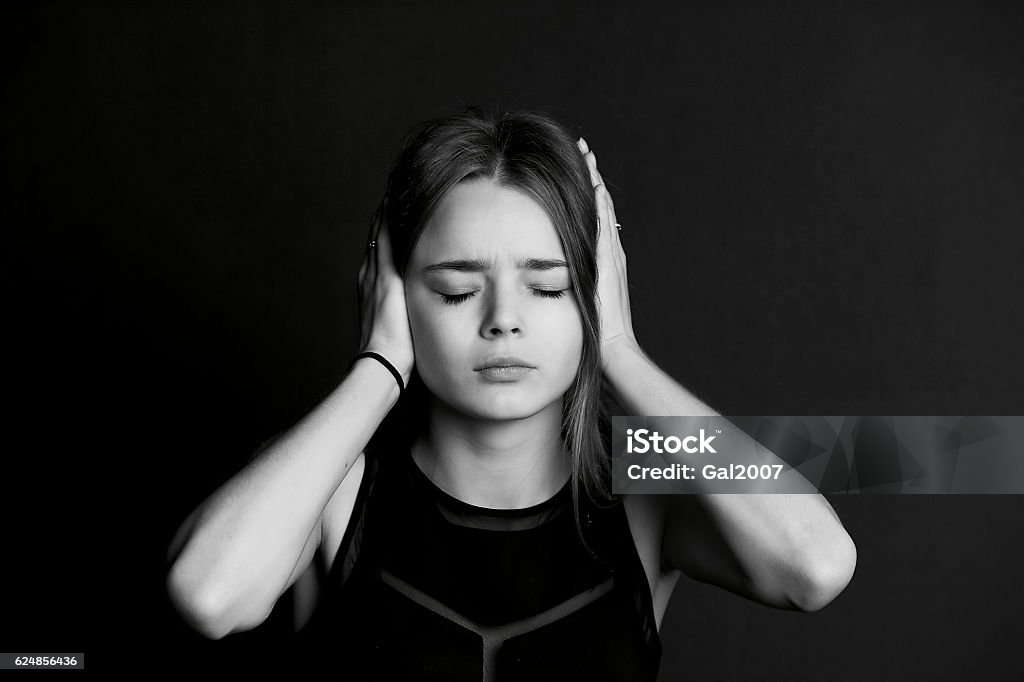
324,311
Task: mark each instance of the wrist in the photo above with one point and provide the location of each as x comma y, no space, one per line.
618,348
385,367
401,360
366,372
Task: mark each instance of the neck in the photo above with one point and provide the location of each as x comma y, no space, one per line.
496,464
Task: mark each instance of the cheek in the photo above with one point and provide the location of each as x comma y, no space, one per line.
427,338
576,352
435,338
566,332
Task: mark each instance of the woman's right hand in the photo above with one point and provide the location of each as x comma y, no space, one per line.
384,319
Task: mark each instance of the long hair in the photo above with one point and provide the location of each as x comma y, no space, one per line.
531,152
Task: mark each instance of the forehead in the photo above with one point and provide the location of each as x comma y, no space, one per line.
479,218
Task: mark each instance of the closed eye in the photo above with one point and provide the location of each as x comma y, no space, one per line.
456,299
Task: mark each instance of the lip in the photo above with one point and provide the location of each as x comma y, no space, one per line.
504,374
504,361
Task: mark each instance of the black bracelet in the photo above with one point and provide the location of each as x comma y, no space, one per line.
383,361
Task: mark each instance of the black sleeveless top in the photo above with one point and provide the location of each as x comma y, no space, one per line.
428,587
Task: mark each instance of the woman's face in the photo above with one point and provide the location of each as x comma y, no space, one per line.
488,280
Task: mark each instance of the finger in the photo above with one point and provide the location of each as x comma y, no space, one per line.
608,229
617,250
605,205
385,261
604,202
594,169
369,257
371,266
367,263
595,177
371,235
607,221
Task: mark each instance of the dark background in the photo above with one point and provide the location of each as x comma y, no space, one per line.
821,205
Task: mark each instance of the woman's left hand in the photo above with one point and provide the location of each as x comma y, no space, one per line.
612,284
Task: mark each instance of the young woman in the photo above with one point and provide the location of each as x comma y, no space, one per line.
463,528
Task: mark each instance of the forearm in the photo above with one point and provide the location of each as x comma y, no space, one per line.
643,388
791,547
249,534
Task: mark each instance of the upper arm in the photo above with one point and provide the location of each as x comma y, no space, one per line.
339,510
646,515
766,549
326,537
182,534
306,557
694,545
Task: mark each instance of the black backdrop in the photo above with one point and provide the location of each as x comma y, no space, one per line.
822,211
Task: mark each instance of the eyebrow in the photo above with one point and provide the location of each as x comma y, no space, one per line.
478,265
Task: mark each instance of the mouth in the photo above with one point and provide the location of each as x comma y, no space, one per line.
504,373
505,362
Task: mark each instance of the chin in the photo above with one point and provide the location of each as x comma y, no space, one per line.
503,408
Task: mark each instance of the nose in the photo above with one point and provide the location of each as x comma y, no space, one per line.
502,314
